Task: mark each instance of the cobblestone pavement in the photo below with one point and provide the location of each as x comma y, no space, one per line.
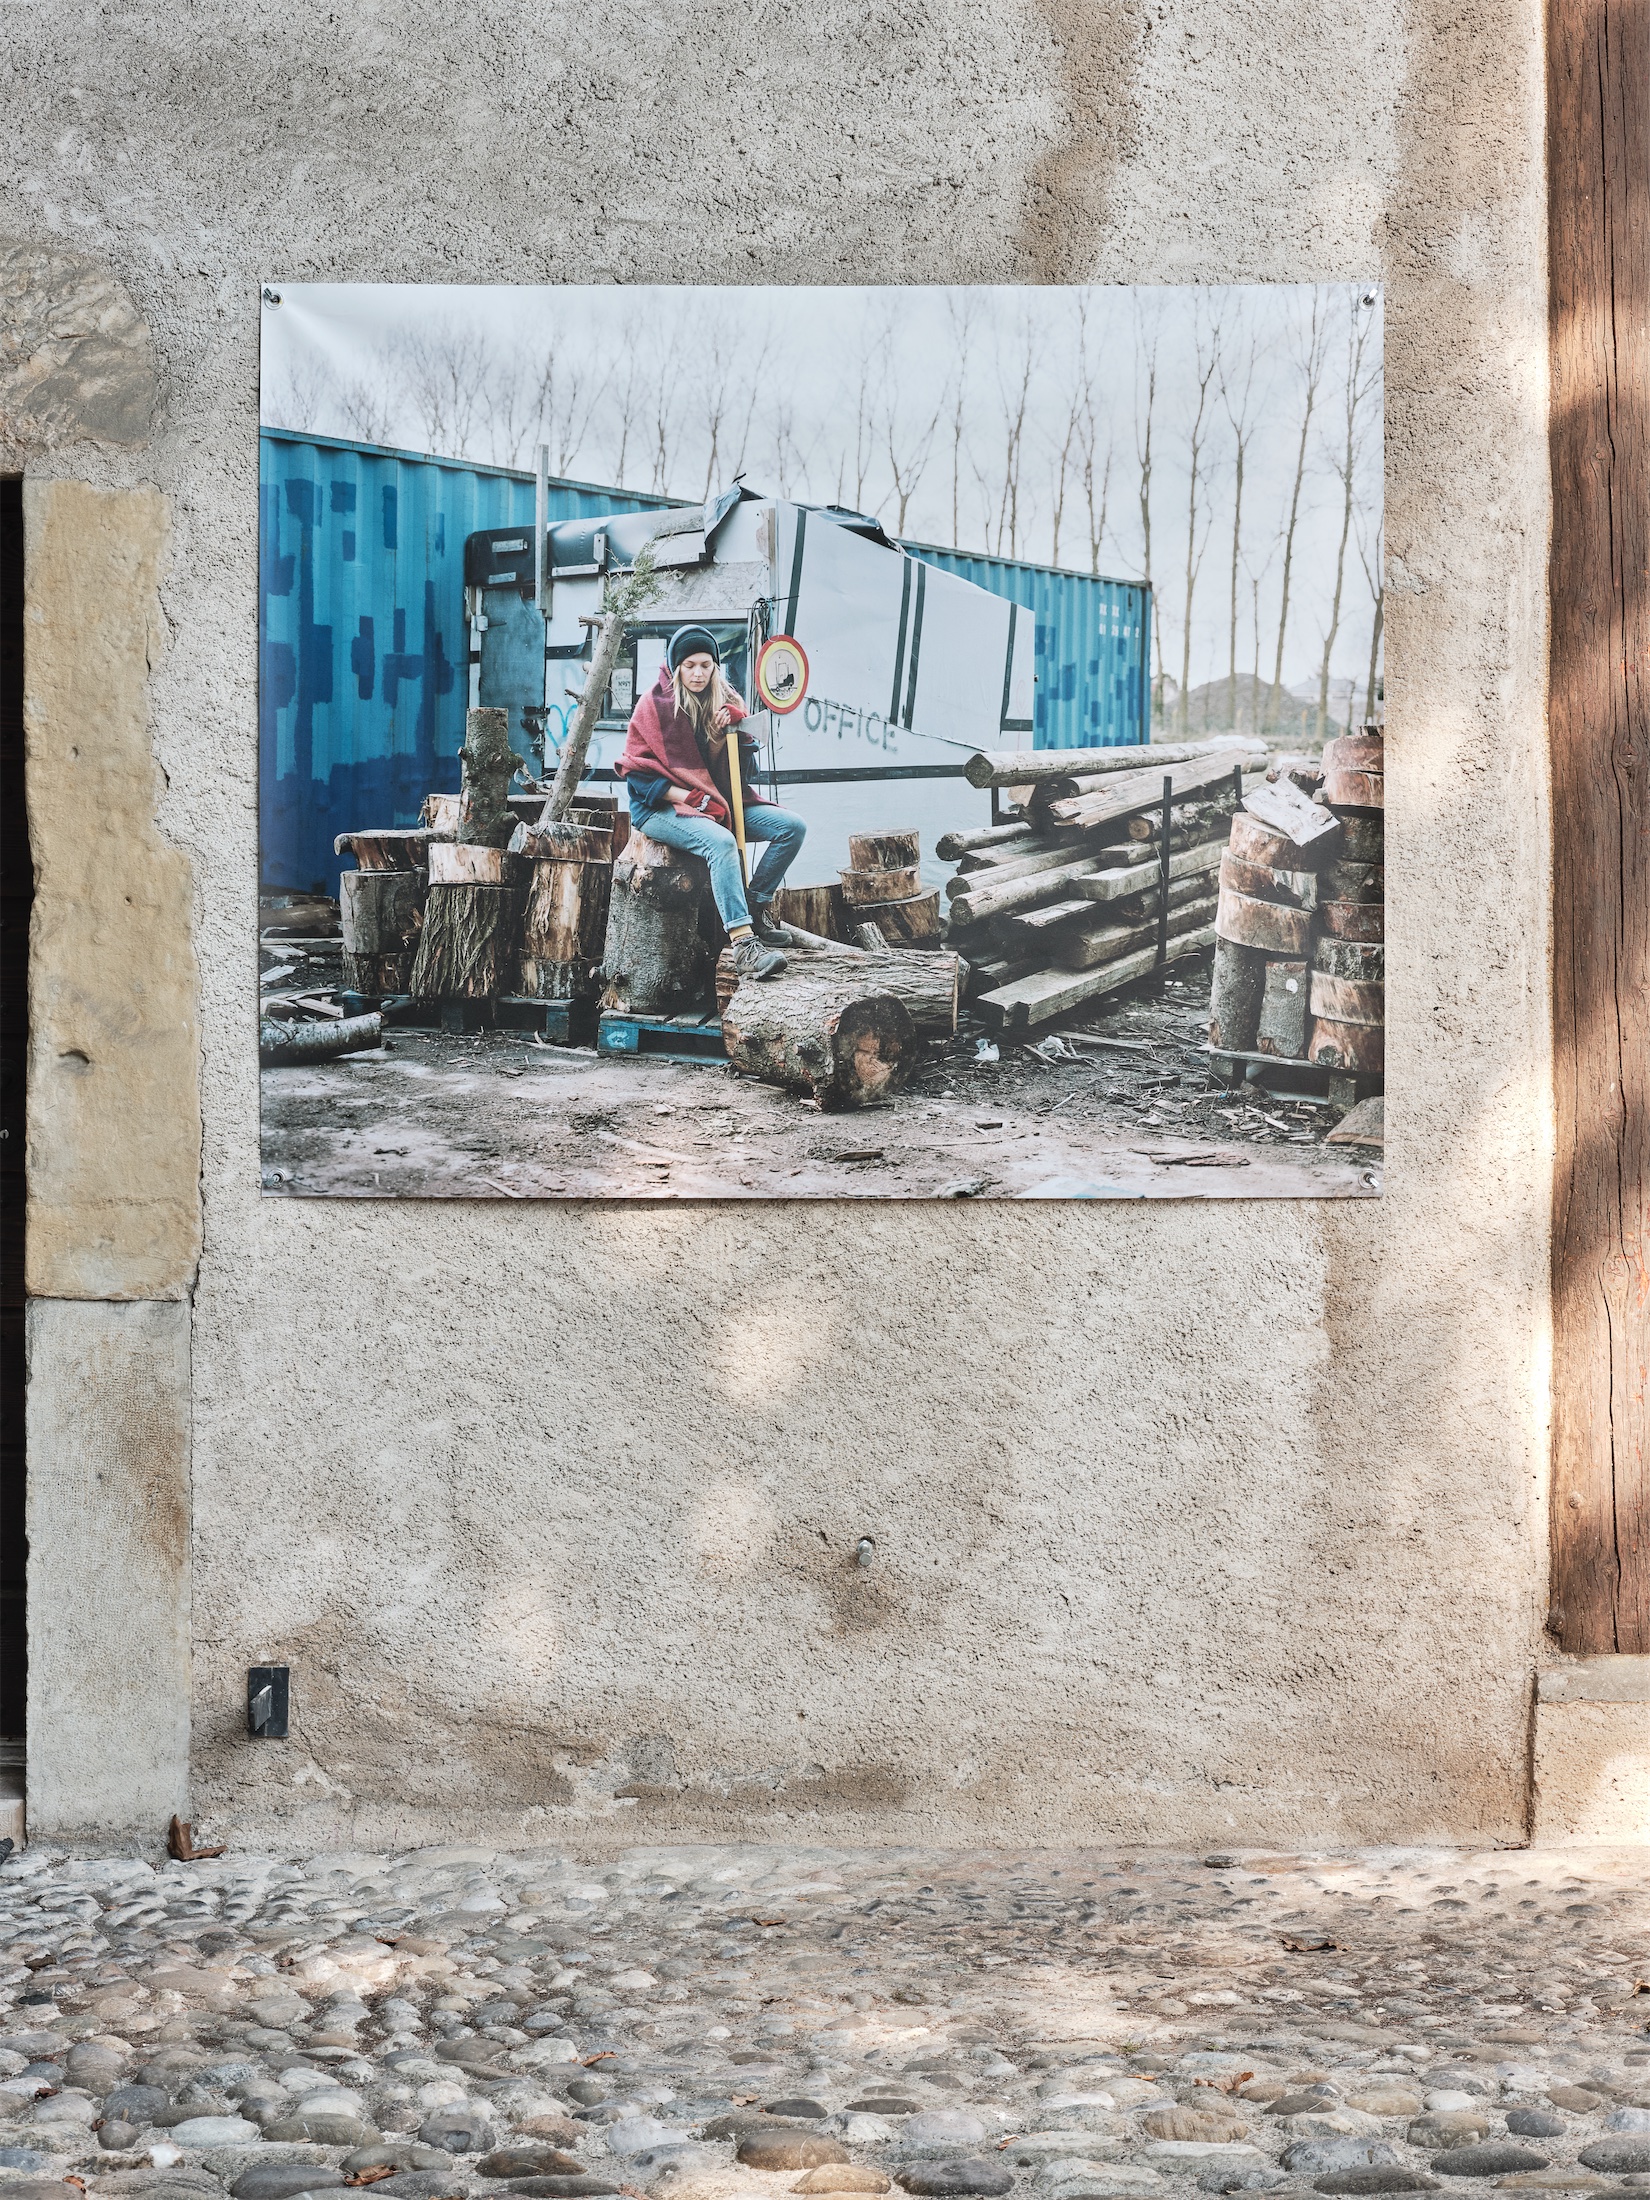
694,2024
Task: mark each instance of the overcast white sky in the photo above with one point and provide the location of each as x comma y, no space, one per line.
994,419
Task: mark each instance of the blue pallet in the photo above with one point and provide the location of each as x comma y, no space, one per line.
674,1038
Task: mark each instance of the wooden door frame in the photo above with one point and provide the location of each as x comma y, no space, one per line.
1598,164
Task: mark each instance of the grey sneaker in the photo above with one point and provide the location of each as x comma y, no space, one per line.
767,926
752,960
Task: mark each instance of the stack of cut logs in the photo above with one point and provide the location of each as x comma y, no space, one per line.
884,887
475,902
1067,902
478,904
1300,956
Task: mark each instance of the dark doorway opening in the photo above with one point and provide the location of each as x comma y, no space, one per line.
16,897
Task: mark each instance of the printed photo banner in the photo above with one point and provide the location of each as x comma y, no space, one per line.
914,743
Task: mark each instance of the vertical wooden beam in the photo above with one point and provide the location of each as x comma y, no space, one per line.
1598,149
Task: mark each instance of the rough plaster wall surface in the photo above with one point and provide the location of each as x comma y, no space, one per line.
108,1524
1203,1521
114,1041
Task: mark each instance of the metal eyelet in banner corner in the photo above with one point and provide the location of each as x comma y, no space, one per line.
782,673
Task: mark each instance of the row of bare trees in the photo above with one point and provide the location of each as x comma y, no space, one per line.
1221,444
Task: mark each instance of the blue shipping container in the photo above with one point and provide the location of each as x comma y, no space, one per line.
363,650
362,646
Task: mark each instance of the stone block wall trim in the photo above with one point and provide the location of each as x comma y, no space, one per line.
1606,1679
114,1117
1592,1774
109,1528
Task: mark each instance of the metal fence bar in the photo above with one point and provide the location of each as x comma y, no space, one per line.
1163,873
606,776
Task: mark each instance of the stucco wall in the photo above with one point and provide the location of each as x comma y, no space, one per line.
1192,1520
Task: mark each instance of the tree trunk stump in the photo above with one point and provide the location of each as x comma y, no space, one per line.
471,943
382,915
489,764
843,1042
884,851
817,909
564,923
663,934
1235,998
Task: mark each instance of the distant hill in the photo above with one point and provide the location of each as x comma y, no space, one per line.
1293,720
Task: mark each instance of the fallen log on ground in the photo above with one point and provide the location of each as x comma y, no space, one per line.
279,1044
821,1034
928,984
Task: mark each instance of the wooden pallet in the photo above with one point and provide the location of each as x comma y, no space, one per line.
563,1023
1293,1075
675,1038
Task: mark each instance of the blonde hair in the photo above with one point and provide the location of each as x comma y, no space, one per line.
700,710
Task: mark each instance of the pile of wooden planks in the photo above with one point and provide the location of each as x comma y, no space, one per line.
1108,873
1300,932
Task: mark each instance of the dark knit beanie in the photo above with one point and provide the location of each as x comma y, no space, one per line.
691,641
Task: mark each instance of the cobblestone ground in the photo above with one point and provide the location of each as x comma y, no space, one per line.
704,2023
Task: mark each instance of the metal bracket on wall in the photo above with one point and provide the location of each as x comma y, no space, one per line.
267,1697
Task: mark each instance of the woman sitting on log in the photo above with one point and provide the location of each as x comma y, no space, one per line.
675,767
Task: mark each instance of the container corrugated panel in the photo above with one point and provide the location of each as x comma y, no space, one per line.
363,652
1093,646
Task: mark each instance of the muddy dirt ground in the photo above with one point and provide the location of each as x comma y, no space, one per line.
1120,1103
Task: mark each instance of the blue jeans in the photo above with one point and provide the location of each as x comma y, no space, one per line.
698,836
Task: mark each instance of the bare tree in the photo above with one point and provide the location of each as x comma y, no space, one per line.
364,409
1372,557
304,394
730,381
1354,399
1146,331
625,405
1237,395
1014,398
1206,342
661,411
1310,356
563,395
907,433
961,316
444,371
1096,462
